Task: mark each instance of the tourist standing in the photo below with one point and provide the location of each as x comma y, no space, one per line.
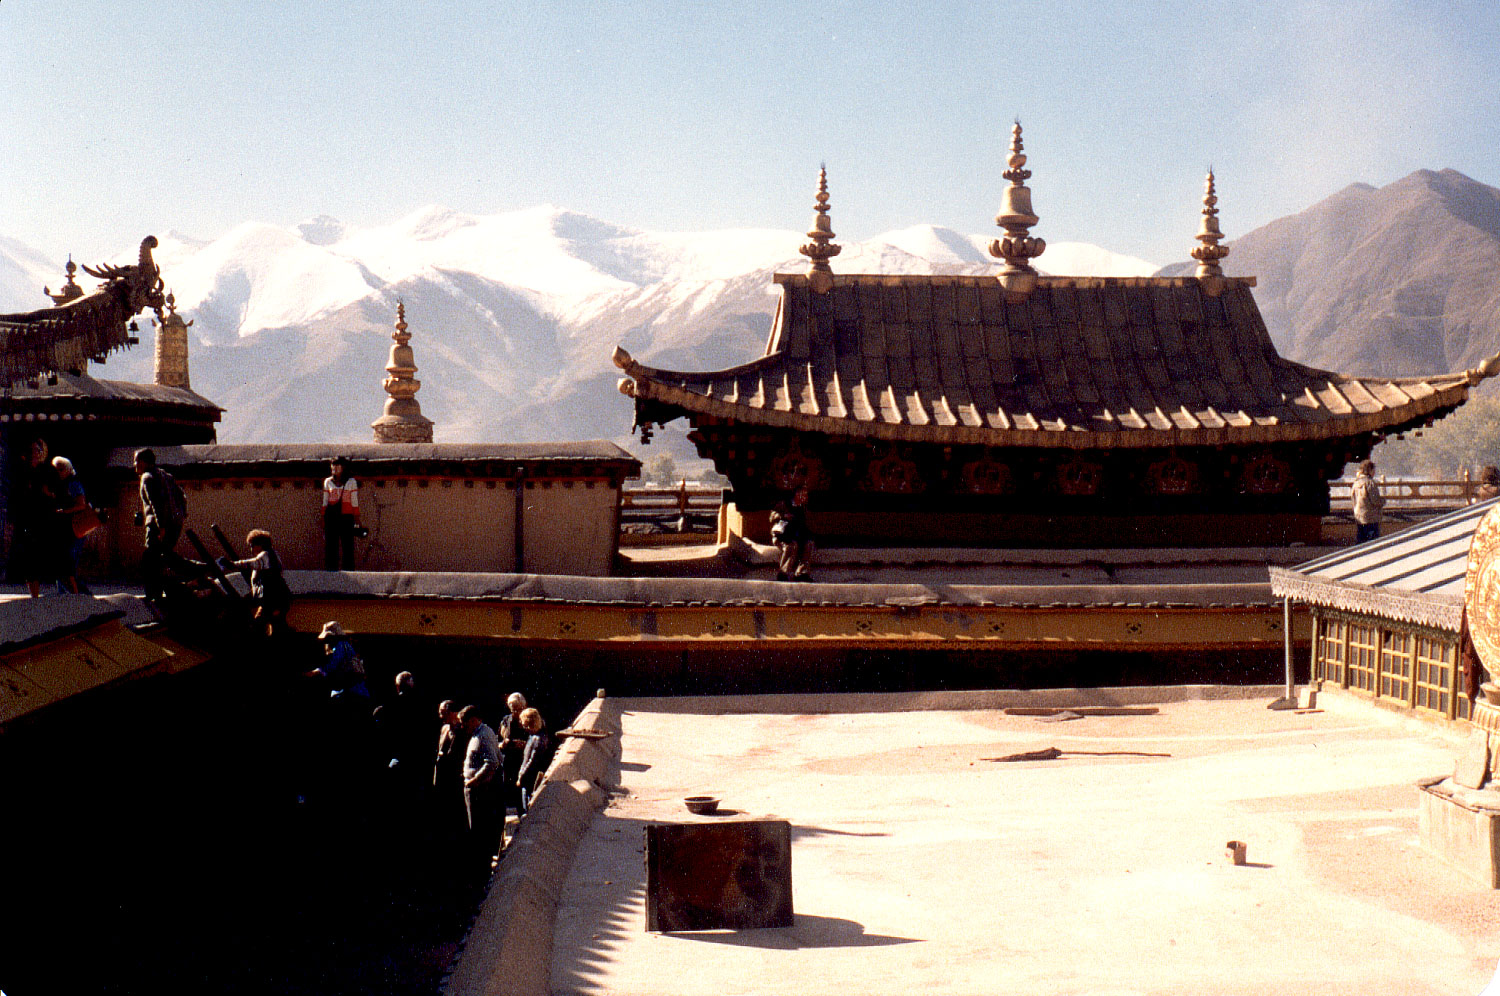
1368,503
512,749
31,512
76,519
481,800
793,538
163,512
340,516
540,747
448,774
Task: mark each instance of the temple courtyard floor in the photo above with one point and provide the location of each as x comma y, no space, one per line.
921,863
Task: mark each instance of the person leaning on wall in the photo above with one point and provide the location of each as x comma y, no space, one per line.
340,516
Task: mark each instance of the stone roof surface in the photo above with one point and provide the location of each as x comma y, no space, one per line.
25,621
1079,362
1414,576
82,387
708,592
375,454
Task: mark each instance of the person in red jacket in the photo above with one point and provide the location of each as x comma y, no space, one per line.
340,516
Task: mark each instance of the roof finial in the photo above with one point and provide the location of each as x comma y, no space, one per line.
1210,252
171,360
1017,247
403,421
69,291
822,247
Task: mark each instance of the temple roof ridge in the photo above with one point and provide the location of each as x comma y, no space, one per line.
1079,362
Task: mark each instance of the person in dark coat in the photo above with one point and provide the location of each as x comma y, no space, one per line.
449,818
32,504
163,523
513,738
540,748
404,726
793,538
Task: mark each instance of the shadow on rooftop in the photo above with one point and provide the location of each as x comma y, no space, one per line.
806,932
800,832
614,910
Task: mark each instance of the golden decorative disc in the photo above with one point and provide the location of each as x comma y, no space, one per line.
1482,591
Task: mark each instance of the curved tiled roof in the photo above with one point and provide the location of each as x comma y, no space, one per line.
1078,362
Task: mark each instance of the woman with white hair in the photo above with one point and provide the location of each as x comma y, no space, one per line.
512,747
76,521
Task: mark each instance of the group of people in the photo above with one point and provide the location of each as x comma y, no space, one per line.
163,515
492,769
52,520
479,771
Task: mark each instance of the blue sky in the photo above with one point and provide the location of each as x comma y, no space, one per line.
123,117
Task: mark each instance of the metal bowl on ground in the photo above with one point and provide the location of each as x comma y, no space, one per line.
702,805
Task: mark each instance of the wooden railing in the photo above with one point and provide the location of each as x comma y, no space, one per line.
682,509
1408,494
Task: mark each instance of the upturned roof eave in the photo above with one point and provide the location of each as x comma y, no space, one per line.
650,384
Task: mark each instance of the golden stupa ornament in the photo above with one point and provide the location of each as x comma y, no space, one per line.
403,421
822,247
69,291
1017,247
1210,252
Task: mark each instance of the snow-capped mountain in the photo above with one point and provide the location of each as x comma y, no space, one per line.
513,316
24,272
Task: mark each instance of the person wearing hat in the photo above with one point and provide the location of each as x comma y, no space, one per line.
340,516
344,670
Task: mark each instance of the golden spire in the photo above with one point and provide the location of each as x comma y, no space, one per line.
1210,252
403,421
822,247
1017,247
69,291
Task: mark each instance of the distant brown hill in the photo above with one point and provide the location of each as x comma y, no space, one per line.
1403,279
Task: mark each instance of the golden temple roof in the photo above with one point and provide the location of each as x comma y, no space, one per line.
1080,362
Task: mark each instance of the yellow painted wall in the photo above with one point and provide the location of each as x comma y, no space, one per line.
416,524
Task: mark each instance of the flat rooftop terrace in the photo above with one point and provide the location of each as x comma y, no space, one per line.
921,863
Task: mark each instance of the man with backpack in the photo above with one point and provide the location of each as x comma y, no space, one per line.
163,512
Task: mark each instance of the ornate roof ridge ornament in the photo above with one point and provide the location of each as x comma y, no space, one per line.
1018,246
66,337
69,291
403,421
822,248
1210,252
